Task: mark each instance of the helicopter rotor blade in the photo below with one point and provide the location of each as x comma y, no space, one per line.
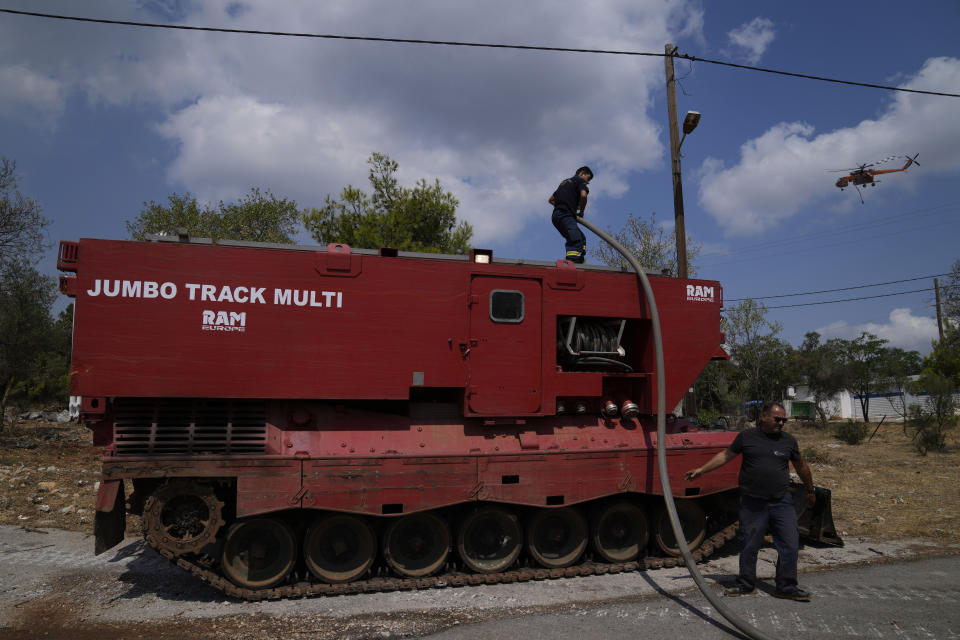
887,159
865,165
860,167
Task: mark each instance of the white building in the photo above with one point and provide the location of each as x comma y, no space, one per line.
846,405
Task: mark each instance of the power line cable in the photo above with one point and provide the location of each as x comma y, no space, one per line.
861,286
882,295
326,36
812,77
454,43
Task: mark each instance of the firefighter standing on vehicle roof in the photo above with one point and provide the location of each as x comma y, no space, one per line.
569,202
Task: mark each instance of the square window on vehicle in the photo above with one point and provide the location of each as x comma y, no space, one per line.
506,306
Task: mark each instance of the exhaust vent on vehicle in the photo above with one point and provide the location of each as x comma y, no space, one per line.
151,426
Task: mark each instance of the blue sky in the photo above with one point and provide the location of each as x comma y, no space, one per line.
102,118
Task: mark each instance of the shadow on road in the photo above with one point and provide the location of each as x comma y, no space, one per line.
721,625
149,573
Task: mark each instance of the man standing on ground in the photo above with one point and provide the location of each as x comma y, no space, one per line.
765,502
569,201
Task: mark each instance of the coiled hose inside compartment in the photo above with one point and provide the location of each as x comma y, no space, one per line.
589,344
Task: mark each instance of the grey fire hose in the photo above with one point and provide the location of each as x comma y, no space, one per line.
726,612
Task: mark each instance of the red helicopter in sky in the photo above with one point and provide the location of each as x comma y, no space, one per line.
863,175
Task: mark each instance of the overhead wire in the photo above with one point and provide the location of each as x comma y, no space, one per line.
859,286
455,43
882,295
813,77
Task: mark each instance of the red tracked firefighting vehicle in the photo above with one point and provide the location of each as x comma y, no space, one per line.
294,420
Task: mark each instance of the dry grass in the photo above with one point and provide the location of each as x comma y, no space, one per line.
882,489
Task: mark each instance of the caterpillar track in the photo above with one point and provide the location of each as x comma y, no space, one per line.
203,568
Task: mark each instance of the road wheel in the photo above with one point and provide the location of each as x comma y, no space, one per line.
417,545
693,521
490,539
339,548
556,538
619,531
258,553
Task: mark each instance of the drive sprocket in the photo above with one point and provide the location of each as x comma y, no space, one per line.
182,516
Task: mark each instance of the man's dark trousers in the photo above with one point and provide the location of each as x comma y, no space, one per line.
566,223
757,516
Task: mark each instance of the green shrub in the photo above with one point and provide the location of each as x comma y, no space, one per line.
929,429
927,439
852,432
706,417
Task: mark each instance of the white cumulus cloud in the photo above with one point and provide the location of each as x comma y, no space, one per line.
499,128
31,97
753,37
781,171
903,329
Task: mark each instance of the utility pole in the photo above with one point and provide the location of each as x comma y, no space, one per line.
936,288
679,228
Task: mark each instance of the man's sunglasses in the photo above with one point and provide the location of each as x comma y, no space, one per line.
781,420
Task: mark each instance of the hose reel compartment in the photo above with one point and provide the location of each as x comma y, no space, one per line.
592,344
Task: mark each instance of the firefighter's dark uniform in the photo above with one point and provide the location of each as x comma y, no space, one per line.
566,200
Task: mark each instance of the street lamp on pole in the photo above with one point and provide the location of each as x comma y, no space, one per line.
689,124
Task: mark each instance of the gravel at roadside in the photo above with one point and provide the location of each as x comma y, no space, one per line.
50,581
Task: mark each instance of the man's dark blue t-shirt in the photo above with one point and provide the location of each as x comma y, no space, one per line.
567,196
765,471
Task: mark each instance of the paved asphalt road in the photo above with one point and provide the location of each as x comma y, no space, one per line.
53,587
918,600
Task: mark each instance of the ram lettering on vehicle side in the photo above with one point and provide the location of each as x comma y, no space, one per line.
699,293
224,321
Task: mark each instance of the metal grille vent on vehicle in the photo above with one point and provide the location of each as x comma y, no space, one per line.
150,426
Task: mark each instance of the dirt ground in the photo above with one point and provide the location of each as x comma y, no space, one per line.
49,474
882,489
